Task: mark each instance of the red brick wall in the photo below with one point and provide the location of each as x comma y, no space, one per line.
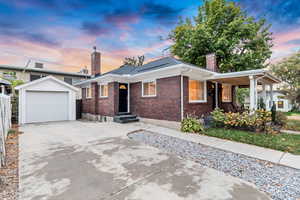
109,106
166,104
102,106
196,109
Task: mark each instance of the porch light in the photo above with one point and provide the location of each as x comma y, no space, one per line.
122,87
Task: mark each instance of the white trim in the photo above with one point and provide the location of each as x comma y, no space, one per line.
100,91
169,71
227,101
217,94
44,79
149,81
128,97
205,92
181,98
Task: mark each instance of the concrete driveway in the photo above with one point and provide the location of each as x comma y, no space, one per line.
87,160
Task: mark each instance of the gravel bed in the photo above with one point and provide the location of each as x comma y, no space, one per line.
9,178
280,182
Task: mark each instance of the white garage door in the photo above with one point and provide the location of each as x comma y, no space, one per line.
42,106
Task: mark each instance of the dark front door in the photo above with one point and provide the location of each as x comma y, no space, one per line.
123,97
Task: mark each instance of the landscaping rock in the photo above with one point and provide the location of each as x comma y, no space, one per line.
280,182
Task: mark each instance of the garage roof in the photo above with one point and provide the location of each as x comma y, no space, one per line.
45,79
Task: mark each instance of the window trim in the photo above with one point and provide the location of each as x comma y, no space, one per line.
205,92
100,93
281,104
86,93
143,95
231,98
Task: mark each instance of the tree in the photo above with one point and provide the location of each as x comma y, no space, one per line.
288,70
134,61
222,27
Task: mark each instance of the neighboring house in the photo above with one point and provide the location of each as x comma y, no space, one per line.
31,74
167,89
282,104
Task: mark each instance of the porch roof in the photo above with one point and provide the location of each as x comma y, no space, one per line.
242,78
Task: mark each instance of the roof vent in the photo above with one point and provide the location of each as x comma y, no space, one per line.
39,65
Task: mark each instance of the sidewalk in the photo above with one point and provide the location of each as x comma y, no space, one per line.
274,156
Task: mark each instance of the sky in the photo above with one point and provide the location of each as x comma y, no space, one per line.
62,33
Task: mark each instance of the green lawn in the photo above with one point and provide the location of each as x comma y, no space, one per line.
282,142
292,125
292,113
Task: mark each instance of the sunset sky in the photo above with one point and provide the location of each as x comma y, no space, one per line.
61,33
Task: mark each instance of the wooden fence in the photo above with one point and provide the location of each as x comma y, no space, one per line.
5,124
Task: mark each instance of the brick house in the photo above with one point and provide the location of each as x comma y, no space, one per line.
167,89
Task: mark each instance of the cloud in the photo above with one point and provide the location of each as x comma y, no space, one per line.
94,28
279,13
295,42
159,11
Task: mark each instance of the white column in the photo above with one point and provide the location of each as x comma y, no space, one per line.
264,94
253,96
3,89
217,95
271,95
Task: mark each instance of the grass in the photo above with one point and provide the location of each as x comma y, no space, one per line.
293,125
282,142
292,113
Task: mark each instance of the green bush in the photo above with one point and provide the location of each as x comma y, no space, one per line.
256,121
191,125
280,119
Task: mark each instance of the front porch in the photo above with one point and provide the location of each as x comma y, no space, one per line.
254,80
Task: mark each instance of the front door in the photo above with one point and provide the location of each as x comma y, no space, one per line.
123,97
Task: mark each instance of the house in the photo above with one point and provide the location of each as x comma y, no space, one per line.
167,89
282,103
34,73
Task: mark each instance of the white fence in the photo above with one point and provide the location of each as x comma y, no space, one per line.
5,124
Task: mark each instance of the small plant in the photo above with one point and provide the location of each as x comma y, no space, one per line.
280,119
218,116
191,125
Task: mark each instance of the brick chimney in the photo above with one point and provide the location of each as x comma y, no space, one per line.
211,62
96,63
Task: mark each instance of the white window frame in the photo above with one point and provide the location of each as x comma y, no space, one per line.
143,95
227,101
86,93
205,92
100,93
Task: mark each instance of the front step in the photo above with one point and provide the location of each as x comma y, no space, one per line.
125,118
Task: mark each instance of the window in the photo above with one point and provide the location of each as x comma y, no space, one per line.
34,77
279,104
103,90
197,91
226,93
149,89
88,93
68,80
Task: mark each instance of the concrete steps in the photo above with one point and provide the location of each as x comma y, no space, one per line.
125,118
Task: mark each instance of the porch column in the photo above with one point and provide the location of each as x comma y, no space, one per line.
271,95
264,94
253,94
217,94
3,89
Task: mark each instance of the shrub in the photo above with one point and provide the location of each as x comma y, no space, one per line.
280,119
191,125
218,116
258,120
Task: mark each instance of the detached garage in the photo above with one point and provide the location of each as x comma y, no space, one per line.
46,99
